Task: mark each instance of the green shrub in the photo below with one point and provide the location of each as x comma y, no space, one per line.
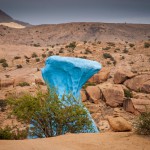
3,105
108,63
72,45
36,45
50,115
50,53
61,50
122,57
10,133
111,43
22,84
85,42
6,133
27,60
5,64
37,59
117,49
17,57
128,93
19,66
87,51
107,55
143,123
146,45
34,55
43,55
125,50
131,45
2,60
106,48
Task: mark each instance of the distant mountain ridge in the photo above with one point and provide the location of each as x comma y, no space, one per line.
5,18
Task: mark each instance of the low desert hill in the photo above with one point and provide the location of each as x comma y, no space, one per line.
7,20
45,35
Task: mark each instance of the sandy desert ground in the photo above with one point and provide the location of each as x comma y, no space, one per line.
101,141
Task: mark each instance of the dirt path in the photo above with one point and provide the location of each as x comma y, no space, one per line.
102,141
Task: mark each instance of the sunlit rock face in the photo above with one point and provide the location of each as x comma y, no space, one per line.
68,75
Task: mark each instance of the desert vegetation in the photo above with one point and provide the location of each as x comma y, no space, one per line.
49,115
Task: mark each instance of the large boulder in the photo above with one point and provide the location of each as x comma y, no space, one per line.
101,76
119,124
121,75
94,93
136,105
139,83
113,94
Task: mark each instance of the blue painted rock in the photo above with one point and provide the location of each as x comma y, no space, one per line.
68,75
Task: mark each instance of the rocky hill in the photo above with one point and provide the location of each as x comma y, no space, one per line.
45,35
7,20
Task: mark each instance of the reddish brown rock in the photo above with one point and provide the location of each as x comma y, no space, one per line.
136,106
39,81
94,93
83,96
101,76
119,124
146,87
7,83
113,94
121,75
139,83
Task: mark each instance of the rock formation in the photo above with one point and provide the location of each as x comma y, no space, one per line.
68,75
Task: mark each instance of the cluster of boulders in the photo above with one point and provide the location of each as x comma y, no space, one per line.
110,106
109,94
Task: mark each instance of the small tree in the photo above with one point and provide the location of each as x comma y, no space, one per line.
143,123
51,116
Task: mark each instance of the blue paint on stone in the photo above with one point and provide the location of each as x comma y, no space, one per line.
68,75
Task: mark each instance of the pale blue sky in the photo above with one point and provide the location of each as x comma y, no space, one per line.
61,11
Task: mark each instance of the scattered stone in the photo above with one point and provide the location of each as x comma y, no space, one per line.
93,108
83,96
146,87
6,83
119,124
112,94
94,93
103,125
139,83
121,75
137,105
39,81
101,76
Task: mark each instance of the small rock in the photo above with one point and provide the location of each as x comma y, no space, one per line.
83,96
39,81
101,76
119,124
94,93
